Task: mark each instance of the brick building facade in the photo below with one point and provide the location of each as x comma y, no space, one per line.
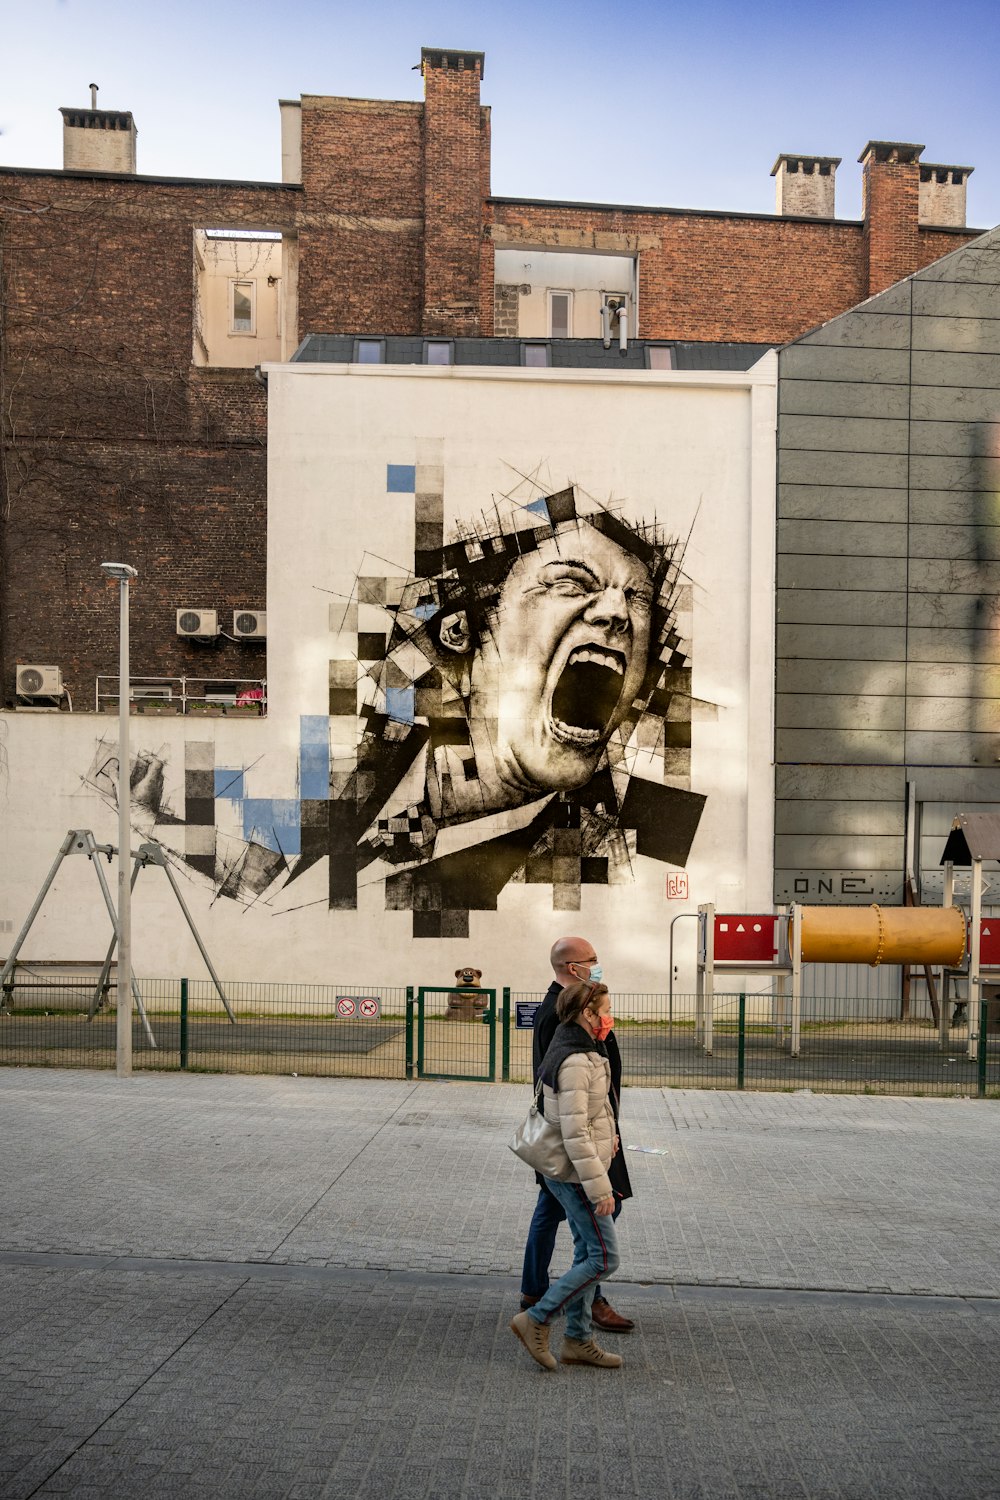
116,444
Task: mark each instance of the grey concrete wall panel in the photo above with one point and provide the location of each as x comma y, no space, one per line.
938,645
971,370
840,502
848,747
843,434
840,607
846,643
976,543
883,470
825,852
957,715
961,507
952,680
956,575
849,887
978,261
884,783
950,439
956,784
825,710
882,678
806,570
842,398
804,361
951,611
956,299
925,748
842,539
864,330
971,472
865,819
952,403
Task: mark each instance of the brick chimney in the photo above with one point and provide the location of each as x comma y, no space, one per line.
942,195
456,180
804,185
98,140
890,192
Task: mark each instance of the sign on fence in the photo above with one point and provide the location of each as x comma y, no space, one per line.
524,1014
358,1005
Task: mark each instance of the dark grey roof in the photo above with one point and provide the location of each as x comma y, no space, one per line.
973,836
577,354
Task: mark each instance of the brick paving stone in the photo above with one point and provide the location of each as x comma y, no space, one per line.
214,1286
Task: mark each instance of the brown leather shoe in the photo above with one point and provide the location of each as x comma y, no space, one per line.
527,1302
607,1319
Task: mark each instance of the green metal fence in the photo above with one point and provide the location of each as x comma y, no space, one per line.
348,1030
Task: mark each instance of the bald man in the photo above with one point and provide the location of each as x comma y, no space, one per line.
572,959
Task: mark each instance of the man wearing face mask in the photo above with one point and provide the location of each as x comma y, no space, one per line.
572,959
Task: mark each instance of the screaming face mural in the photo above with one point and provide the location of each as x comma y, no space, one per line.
523,715
517,686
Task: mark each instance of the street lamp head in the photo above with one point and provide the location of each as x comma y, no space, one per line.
119,570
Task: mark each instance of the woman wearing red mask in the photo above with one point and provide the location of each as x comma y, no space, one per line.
576,1079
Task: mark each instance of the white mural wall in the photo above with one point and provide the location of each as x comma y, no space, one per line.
520,668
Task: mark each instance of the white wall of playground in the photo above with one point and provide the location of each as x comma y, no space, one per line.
695,449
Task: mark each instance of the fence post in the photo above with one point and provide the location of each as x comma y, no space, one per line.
505,1036
409,1031
184,1023
981,1051
741,1043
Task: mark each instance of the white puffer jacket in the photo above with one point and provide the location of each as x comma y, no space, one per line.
583,1113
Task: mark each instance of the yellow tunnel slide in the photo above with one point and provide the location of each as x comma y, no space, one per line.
883,935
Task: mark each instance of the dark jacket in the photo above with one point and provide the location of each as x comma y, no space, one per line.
546,1022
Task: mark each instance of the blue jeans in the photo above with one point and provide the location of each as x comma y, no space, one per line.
541,1243
595,1254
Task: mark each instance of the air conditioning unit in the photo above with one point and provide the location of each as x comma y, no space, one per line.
39,682
250,624
198,624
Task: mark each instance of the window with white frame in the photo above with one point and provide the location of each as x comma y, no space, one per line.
561,315
243,307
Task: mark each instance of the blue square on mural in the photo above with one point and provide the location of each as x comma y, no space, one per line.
229,784
401,479
274,822
314,757
399,704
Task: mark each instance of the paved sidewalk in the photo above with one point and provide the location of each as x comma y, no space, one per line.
223,1286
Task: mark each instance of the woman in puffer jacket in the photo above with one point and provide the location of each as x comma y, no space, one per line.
576,1079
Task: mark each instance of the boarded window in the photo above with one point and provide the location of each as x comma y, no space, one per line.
242,307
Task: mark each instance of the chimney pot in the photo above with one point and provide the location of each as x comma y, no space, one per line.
98,140
805,185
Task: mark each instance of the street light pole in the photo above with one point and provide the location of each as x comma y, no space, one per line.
123,1032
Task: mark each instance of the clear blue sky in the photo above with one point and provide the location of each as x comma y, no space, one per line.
684,104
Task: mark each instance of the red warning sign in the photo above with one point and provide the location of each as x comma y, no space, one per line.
989,942
745,938
346,1006
368,1008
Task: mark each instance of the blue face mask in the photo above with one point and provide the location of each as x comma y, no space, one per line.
596,973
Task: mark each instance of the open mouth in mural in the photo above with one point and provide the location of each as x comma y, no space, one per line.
587,694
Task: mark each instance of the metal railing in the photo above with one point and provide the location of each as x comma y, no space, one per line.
387,1031
244,697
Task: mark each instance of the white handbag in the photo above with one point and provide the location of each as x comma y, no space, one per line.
539,1143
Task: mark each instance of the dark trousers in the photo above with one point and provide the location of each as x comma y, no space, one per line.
540,1247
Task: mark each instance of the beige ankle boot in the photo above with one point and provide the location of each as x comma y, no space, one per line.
588,1353
535,1338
